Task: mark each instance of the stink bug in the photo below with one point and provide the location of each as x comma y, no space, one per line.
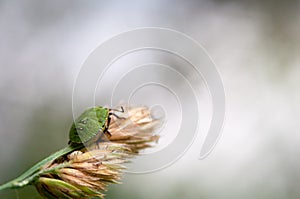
91,125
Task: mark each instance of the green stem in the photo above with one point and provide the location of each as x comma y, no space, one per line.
29,175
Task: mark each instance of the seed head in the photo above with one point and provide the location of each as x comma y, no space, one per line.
86,173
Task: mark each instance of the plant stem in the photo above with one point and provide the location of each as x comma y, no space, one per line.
28,176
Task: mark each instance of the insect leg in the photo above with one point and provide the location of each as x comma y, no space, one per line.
106,127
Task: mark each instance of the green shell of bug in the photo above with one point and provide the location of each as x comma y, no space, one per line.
88,125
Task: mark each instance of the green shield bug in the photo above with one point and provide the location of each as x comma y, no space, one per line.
91,125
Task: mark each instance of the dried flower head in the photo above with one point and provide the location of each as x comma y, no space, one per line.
87,172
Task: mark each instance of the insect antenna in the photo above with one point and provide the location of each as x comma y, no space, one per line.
116,115
121,111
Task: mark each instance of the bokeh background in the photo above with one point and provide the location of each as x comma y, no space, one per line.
256,47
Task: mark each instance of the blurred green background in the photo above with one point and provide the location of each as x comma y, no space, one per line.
255,44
